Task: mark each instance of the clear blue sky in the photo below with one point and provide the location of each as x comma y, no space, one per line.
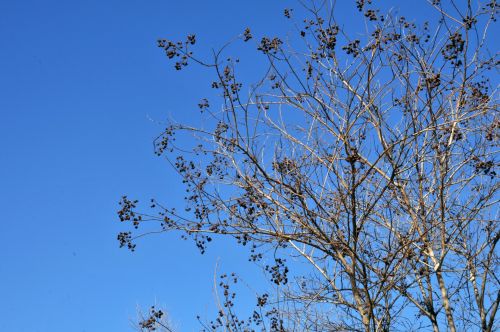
83,91
80,82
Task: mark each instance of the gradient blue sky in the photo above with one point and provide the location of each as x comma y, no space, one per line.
83,92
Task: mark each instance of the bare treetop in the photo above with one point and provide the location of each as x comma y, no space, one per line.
373,159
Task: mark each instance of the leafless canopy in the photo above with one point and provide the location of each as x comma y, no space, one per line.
371,160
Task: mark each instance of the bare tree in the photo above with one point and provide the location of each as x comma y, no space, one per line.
370,159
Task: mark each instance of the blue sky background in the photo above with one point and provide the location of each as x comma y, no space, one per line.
83,92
